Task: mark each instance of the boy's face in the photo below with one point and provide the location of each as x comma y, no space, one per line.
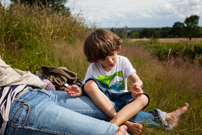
109,62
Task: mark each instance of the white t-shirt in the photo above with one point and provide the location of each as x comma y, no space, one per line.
116,79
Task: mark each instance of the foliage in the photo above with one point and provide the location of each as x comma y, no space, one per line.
187,51
147,33
191,28
153,40
57,5
32,29
122,33
177,29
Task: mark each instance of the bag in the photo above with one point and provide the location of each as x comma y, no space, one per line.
58,76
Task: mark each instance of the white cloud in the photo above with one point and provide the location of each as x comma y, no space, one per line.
120,15
143,15
135,13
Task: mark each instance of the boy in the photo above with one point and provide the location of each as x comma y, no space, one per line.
106,78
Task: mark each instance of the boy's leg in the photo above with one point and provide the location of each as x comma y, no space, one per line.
99,98
93,90
128,112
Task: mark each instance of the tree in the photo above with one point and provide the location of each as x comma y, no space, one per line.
191,28
149,32
165,32
177,29
58,5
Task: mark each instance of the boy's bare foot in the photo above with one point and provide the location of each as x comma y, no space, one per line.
122,130
173,117
133,128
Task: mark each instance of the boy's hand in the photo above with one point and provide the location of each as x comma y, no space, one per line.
136,90
73,91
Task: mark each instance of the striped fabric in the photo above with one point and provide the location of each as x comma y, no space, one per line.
7,96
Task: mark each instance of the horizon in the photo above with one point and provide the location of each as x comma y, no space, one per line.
145,14
118,13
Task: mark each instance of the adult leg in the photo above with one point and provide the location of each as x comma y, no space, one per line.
159,118
173,117
35,112
122,130
85,106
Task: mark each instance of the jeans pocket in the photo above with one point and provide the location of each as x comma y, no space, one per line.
20,116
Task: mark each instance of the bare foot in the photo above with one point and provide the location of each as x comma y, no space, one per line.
133,128
173,117
122,130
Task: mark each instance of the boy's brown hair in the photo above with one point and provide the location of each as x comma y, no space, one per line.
101,43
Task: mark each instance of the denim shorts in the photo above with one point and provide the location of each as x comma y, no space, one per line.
120,99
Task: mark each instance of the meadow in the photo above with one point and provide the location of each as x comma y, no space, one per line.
32,37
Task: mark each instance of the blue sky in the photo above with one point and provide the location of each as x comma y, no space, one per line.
134,13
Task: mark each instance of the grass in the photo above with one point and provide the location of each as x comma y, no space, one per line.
187,51
29,33
169,86
39,37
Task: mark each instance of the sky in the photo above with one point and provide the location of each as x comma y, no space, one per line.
135,13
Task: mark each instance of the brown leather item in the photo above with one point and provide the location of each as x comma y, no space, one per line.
59,76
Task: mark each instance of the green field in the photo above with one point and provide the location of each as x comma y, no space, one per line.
30,38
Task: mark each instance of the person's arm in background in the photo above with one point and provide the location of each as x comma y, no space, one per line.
74,91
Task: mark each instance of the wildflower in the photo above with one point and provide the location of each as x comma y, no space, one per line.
3,50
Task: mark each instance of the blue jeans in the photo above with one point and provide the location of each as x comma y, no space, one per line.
41,112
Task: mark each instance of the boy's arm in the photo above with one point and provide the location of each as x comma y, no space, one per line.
136,88
135,79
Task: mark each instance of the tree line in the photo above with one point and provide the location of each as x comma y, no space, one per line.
188,29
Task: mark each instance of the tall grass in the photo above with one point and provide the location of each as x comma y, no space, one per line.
29,32
169,87
32,37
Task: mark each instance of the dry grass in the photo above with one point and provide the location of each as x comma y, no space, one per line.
170,84
170,40
71,56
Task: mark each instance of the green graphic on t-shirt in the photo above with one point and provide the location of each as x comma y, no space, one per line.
105,80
